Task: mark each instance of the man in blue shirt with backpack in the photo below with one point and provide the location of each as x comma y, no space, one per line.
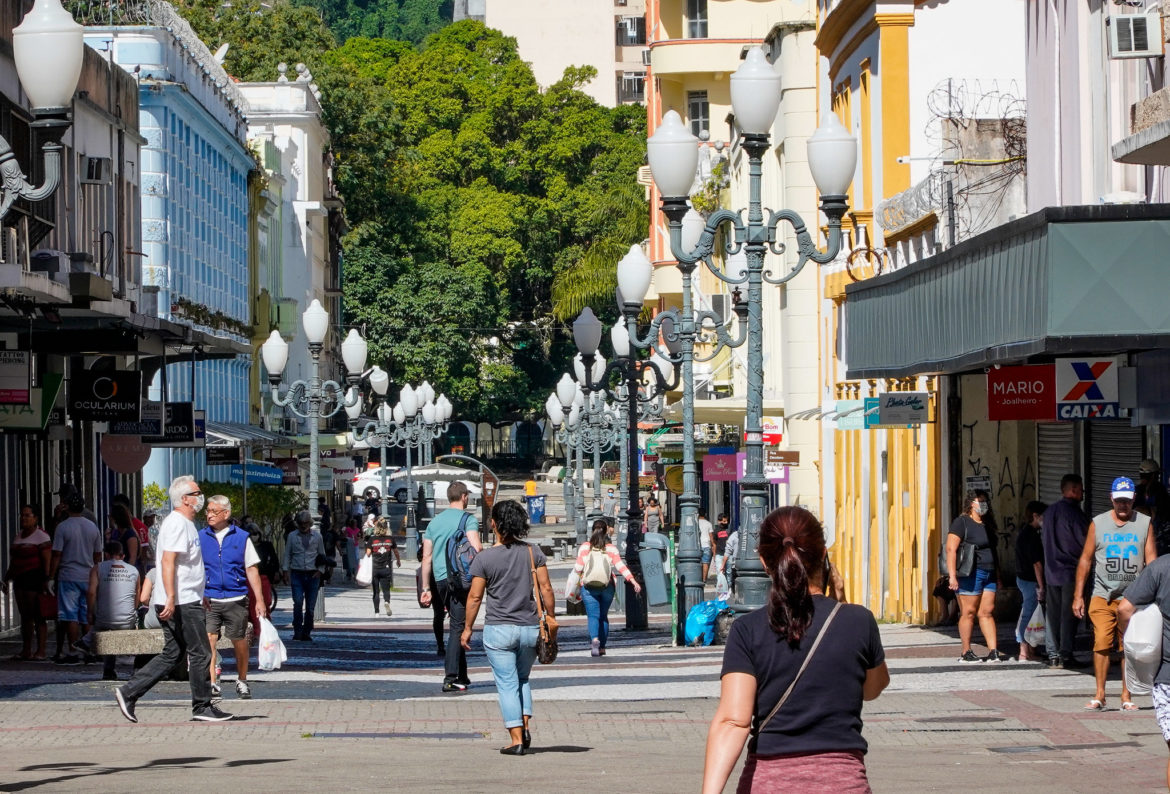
443,529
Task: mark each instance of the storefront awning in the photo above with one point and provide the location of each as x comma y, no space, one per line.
1062,281
232,434
728,411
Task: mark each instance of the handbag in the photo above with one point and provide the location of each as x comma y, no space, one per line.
755,732
546,643
964,557
47,604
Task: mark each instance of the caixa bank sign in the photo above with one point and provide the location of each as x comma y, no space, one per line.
1068,389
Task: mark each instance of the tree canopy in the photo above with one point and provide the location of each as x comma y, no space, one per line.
405,20
469,192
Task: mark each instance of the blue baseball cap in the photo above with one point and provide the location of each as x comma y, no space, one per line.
1122,489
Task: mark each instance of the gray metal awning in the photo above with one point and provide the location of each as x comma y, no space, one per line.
1150,146
1061,281
232,434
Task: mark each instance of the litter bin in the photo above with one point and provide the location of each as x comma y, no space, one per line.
535,509
652,554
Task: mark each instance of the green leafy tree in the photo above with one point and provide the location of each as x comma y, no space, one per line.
406,20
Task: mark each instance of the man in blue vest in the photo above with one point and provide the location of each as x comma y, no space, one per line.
230,561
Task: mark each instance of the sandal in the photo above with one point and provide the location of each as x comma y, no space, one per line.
1094,705
1129,705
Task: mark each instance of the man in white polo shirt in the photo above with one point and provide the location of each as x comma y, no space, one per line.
178,601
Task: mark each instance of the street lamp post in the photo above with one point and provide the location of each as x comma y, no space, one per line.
673,156
376,433
418,419
631,371
315,399
49,49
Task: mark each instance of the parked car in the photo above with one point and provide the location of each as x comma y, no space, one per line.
397,486
369,483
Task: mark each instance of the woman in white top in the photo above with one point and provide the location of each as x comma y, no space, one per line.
597,559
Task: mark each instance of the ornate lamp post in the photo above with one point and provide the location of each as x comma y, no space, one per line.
49,50
417,419
673,156
376,433
315,399
631,371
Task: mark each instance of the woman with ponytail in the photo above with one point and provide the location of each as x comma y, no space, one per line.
795,674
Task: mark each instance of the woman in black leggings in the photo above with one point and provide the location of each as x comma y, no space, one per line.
384,551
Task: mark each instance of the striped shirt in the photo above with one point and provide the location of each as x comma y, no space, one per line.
611,552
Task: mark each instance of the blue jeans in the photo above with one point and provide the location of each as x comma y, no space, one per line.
305,585
511,650
597,610
1028,591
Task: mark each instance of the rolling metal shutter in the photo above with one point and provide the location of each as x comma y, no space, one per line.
1055,456
1115,450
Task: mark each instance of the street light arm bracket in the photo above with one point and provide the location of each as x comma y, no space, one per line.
13,184
706,245
717,333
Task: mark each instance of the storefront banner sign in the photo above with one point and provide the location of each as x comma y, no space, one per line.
258,473
850,415
150,423
105,396
223,456
290,471
720,468
37,413
15,377
178,425
773,427
902,408
1086,388
1021,393
674,479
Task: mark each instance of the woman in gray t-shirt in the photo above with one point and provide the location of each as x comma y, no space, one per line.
505,572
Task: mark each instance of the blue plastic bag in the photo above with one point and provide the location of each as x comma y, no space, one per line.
700,627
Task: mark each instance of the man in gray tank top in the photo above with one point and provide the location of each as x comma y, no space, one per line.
1117,548
112,599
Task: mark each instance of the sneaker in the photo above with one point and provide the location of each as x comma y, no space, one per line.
71,659
388,611
1055,662
210,714
595,648
124,705
243,691
82,646
454,686
996,656
216,690
969,658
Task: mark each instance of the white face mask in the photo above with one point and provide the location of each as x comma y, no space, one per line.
981,508
199,501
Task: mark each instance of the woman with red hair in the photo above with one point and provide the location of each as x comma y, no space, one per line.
795,674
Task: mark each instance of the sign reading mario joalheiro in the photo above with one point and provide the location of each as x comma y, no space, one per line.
1086,388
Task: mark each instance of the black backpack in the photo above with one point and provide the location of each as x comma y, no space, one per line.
460,553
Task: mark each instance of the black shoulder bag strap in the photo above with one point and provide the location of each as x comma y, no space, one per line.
811,651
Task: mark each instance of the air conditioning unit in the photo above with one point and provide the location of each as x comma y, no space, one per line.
1135,36
646,57
620,2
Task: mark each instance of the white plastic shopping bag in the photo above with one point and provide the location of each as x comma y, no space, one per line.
1034,633
1143,649
365,571
271,653
572,588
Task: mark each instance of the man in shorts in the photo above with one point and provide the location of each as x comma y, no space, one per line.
1153,587
705,532
230,561
77,547
1118,545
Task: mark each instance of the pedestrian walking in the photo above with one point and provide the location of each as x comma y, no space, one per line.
442,528
177,599
232,567
706,530
800,715
653,515
304,560
1118,546
1063,531
28,571
1149,491
1029,573
1152,586
509,573
112,600
977,589
383,551
77,547
719,537
609,506
597,561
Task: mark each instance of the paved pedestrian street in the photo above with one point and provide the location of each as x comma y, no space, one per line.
360,709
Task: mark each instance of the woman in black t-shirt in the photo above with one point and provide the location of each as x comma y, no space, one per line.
812,743
1029,574
977,589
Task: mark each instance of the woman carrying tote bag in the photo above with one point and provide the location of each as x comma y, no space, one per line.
800,716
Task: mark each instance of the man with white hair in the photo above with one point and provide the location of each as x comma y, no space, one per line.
230,562
177,599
